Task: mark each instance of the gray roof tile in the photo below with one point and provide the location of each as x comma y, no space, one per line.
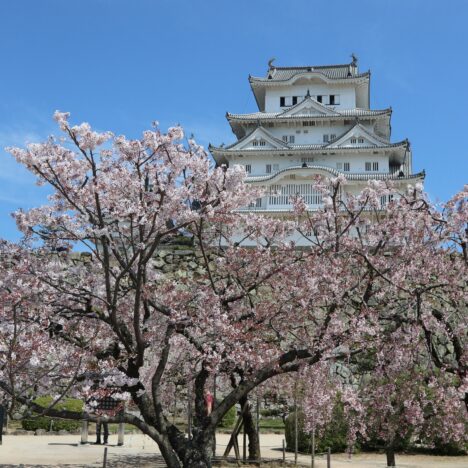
330,71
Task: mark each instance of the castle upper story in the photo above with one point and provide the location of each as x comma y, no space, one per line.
337,86
315,120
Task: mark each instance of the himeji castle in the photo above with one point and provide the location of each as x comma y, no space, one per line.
314,120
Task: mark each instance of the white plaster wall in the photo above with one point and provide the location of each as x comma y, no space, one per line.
357,162
347,95
310,135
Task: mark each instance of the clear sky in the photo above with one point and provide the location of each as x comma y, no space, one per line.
120,64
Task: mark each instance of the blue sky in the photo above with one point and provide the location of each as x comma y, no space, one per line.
120,64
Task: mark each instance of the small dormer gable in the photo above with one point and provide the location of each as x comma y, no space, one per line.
308,106
258,139
357,136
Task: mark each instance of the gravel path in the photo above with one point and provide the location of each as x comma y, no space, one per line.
140,451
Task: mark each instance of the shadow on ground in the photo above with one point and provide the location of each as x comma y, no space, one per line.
114,461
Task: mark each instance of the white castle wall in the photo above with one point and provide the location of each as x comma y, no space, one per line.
347,94
312,135
357,162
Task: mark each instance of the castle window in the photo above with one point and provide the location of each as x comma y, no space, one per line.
372,166
307,123
346,167
287,101
254,142
248,168
285,138
307,159
292,138
319,98
268,169
256,204
332,136
326,138
353,141
262,142
339,166
360,140
334,99
275,167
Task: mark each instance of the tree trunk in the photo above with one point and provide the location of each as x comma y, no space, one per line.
199,452
250,430
390,453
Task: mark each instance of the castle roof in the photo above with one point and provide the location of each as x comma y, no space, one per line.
331,72
334,172
371,141
253,116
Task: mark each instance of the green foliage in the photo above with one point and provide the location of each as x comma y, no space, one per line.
268,412
44,422
449,448
229,418
333,436
272,424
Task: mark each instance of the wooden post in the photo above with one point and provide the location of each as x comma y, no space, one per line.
104,463
121,428
258,428
2,416
329,457
212,409
295,425
284,451
258,416
121,432
244,444
84,432
312,449
189,409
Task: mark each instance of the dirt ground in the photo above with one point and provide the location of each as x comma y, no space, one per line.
141,452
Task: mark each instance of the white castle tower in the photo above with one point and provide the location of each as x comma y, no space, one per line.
314,120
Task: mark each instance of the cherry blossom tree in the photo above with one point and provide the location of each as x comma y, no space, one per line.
410,373
108,318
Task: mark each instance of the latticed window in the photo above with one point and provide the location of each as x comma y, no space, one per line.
256,204
385,199
284,194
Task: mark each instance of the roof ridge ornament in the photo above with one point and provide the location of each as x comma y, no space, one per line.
354,59
308,93
270,63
